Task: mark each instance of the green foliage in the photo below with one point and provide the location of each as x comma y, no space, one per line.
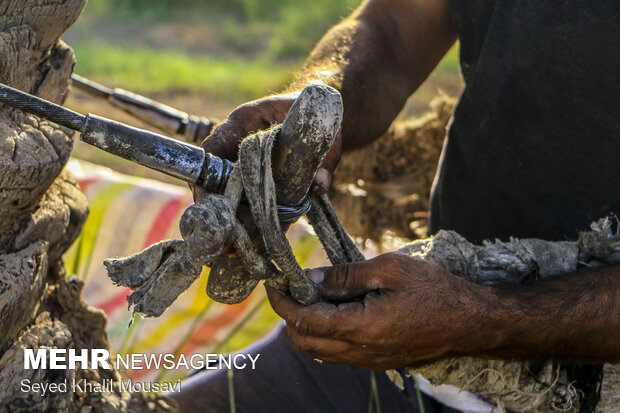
292,26
153,71
450,63
257,44
246,10
250,47
300,27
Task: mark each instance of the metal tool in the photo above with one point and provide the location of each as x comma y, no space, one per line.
180,160
165,118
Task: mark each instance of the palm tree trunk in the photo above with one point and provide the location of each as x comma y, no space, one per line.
41,213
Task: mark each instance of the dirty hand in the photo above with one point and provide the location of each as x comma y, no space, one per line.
259,115
389,312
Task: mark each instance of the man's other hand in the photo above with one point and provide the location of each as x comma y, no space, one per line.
388,312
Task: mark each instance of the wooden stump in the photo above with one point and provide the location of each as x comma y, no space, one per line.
41,213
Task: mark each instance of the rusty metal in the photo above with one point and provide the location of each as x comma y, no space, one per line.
215,173
92,88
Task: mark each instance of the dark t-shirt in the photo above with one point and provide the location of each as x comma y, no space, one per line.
534,147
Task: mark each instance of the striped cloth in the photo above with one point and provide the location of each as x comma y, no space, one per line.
127,214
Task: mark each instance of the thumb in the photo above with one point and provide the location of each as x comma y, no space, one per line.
347,281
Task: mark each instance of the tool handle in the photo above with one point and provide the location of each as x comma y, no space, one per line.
158,152
163,117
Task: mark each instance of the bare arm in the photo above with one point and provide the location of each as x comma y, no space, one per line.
575,316
376,58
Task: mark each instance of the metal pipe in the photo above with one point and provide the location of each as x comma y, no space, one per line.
165,118
149,149
161,153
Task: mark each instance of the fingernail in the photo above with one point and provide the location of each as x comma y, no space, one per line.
322,180
316,276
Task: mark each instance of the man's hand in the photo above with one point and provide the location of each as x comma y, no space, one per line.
391,311
260,115
397,311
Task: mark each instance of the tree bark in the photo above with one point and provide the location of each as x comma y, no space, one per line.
41,213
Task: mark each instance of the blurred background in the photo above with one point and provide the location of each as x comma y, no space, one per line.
208,56
204,57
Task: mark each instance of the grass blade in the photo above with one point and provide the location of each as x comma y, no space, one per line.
240,325
418,393
231,391
374,392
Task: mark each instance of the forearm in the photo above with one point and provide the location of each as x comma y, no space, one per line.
376,58
570,317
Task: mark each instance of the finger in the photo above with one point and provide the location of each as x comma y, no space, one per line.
322,181
273,109
348,281
335,153
318,347
245,120
320,319
224,140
